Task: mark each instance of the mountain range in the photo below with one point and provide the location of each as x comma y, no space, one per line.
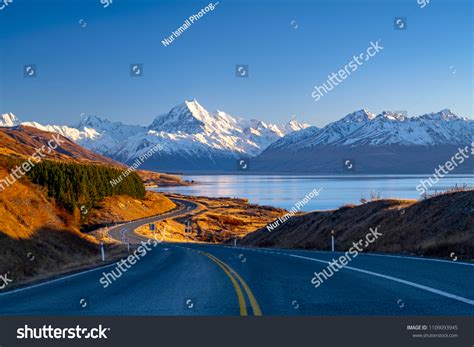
191,138
362,142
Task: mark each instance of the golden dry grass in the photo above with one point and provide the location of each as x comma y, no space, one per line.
220,219
125,208
24,208
167,230
38,239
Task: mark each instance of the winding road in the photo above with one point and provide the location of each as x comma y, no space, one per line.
204,279
126,230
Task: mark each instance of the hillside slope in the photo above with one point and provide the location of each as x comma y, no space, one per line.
23,141
437,226
37,237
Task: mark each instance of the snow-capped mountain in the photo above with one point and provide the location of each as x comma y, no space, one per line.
190,131
388,142
388,128
8,120
189,137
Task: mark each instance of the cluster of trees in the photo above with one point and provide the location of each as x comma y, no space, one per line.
75,185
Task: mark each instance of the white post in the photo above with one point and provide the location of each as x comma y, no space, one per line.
235,241
102,252
128,246
187,230
332,240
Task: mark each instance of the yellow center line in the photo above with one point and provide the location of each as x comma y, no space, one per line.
240,295
253,301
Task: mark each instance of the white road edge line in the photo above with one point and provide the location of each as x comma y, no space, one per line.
399,280
57,279
370,254
418,258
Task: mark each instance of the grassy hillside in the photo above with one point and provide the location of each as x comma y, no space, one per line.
24,141
37,236
437,226
123,208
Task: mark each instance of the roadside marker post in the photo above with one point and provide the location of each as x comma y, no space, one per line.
332,240
235,241
152,227
102,252
187,230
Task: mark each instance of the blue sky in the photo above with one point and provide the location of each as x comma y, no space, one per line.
425,68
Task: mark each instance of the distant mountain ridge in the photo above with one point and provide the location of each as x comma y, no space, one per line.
388,128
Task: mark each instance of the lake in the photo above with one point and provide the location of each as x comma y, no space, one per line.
286,191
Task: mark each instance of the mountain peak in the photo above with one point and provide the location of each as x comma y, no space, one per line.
361,115
91,121
8,120
193,104
187,117
391,116
295,125
445,115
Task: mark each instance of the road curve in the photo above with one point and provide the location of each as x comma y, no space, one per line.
127,229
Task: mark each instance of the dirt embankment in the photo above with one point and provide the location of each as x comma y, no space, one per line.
438,226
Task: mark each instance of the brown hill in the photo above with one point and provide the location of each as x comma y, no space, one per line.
436,226
24,141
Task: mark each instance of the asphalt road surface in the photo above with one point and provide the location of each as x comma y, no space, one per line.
202,279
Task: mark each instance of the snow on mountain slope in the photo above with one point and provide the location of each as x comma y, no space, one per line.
191,126
8,120
388,143
94,133
388,128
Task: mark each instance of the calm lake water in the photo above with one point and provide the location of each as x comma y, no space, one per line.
286,191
